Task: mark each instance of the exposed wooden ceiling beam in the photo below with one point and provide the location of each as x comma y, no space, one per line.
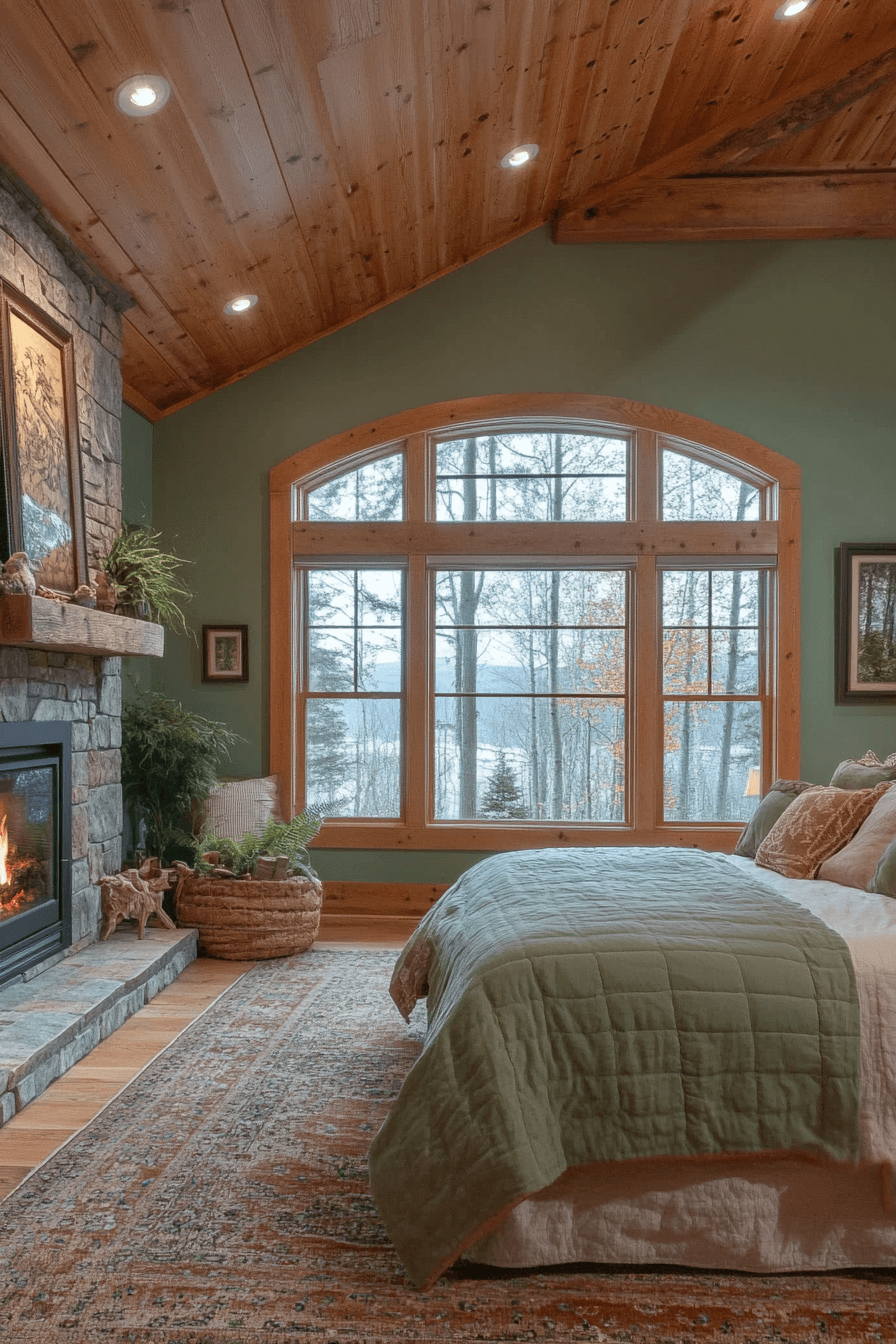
775,205
737,140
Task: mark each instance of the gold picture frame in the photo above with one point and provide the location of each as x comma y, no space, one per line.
41,459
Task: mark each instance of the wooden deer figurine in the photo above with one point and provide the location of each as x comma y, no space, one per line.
127,895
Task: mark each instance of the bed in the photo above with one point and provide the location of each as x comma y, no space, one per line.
645,1056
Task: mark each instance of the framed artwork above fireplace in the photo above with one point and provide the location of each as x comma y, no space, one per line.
42,509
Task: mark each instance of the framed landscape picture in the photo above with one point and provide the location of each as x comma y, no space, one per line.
44,511
866,625
225,653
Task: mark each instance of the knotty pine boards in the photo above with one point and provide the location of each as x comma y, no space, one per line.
333,155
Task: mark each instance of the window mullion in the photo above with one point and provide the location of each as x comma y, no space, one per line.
417,709
767,634
645,734
417,471
646,477
645,729
417,698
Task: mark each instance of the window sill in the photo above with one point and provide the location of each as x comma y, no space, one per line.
721,836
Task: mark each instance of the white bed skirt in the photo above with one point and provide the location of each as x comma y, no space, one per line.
760,1215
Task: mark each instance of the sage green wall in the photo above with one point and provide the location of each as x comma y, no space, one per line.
136,507
136,467
793,344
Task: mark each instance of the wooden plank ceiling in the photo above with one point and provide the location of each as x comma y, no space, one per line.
332,155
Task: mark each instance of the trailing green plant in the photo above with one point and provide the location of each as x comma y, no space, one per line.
142,572
169,760
287,838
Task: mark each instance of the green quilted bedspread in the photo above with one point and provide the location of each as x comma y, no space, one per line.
598,1004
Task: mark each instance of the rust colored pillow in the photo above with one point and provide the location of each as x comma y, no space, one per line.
856,863
814,827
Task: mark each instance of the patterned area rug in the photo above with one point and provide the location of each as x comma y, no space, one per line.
222,1199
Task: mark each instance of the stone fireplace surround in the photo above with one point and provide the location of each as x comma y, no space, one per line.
40,685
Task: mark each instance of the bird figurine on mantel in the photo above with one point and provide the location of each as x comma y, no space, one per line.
17,575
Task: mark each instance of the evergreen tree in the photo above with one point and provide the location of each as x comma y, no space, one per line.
502,796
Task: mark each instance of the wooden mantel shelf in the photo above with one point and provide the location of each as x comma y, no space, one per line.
62,627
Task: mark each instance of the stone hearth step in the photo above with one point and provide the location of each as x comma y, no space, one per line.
47,1024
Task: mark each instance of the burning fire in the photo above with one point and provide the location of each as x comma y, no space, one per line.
22,880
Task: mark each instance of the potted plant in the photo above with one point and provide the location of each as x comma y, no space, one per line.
146,578
256,897
169,761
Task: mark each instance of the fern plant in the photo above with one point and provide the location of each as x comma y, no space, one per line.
288,838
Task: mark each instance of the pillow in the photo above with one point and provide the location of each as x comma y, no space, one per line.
234,809
814,827
779,797
856,863
884,879
865,772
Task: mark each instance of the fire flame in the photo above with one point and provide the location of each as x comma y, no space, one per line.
4,851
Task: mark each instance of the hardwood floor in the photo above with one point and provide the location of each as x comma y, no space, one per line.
30,1137
355,931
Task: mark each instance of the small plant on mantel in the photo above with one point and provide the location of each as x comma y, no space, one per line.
142,573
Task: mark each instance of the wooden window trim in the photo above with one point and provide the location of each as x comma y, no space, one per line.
644,540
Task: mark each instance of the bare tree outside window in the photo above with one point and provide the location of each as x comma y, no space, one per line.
548,690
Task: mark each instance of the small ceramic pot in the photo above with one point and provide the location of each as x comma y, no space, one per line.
139,610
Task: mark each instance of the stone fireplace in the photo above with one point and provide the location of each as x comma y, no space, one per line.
61,990
43,684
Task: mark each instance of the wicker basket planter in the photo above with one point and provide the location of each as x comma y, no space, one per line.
240,919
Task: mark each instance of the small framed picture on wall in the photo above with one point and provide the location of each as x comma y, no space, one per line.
225,653
866,624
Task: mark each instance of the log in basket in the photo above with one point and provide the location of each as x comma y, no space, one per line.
245,919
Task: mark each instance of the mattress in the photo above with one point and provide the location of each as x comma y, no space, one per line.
755,1214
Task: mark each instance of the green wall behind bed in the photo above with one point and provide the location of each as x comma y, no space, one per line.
793,344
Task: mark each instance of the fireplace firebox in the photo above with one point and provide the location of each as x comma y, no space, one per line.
35,844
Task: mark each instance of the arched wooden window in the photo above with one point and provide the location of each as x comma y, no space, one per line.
534,620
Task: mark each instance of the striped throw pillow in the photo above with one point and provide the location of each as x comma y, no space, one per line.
245,805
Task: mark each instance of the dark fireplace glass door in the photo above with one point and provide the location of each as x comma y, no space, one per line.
28,886
35,844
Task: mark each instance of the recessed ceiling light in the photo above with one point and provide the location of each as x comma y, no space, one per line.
791,8
241,304
143,95
515,158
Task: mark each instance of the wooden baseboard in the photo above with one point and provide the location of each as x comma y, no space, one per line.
408,899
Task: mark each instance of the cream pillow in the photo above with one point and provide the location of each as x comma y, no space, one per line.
242,806
855,864
815,826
